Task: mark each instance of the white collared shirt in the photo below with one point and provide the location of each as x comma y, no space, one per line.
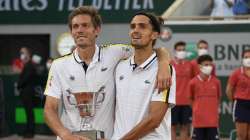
67,76
134,92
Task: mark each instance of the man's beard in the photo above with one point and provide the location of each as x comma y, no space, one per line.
81,45
138,46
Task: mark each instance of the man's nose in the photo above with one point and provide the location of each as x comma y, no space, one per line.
136,29
80,29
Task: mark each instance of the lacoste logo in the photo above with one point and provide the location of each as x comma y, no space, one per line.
72,78
104,69
121,77
147,82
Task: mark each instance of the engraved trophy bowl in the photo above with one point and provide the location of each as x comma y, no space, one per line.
86,103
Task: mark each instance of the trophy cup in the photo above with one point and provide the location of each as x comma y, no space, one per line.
86,103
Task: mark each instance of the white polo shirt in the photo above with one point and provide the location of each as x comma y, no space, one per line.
134,92
67,75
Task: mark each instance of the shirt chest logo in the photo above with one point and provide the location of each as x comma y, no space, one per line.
103,69
147,82
121,77
71,78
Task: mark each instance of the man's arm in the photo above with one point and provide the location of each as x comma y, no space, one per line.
229,92
152,121
52,118
163,79
53,121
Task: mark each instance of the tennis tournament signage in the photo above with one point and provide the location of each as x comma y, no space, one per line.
56,11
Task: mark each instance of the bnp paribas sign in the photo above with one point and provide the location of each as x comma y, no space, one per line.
56,11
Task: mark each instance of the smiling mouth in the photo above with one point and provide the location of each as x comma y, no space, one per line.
81,37
136,38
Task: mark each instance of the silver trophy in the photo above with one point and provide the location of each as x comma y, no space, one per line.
86,103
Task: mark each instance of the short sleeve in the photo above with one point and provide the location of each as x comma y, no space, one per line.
53,83
123,51
191,89
233,79
169,94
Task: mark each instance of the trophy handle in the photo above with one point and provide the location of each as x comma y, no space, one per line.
68,98
100,93
102,97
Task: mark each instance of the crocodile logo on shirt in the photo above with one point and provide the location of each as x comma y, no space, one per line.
103,69
72,78
147,82
121,77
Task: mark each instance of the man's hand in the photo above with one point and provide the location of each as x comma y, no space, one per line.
163,79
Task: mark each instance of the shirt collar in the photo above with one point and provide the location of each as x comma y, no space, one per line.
199,77
96,57
176,61
145,64
242,70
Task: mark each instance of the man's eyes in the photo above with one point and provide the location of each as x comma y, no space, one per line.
75,26
83,25
142,26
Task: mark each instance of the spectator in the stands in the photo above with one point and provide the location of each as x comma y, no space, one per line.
221,8
241,7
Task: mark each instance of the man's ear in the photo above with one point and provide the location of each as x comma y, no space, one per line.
98,30
200,65
155,35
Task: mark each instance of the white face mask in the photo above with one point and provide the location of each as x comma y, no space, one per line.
48,65
202,52
206,69
23,57
180,54
246,62
36,59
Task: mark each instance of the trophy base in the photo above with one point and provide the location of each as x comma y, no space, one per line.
91,134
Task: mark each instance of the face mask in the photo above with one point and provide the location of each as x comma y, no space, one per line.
23,57
206,69
48,65
36,59
246,62
180,54
202,52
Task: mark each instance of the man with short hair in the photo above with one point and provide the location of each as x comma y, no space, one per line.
181,113
26,86
88,68
202,49
205,93
141,112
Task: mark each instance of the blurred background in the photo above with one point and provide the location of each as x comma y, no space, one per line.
41,25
